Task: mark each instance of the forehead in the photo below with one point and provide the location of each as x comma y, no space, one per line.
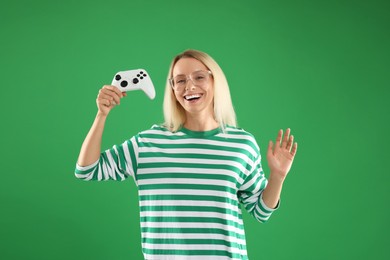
187,65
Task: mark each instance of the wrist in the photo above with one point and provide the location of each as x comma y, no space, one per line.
276,177
101,115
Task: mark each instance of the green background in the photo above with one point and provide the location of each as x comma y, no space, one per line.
318,67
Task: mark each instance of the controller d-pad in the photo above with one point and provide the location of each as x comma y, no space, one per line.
124,84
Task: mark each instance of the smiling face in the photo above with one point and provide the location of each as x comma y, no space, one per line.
196,100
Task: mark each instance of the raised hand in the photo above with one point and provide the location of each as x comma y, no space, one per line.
108,98
281,155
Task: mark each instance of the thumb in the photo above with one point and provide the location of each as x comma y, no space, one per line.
269,151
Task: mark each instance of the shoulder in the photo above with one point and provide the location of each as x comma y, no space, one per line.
240,135
237,131
232,131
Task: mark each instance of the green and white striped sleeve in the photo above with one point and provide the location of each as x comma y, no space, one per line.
250,194
116,163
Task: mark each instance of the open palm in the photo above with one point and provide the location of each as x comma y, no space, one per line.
281,155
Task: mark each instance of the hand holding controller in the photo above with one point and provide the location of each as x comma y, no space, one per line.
134,80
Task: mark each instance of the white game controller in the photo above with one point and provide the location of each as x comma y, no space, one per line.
134,80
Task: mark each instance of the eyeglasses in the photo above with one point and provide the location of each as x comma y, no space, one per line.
198,78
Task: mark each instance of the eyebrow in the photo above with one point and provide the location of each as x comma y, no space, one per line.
185,74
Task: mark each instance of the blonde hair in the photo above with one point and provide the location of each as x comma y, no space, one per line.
174,114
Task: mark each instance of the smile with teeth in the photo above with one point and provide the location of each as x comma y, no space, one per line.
192,97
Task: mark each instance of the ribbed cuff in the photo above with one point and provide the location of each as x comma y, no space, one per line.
265,207
87,167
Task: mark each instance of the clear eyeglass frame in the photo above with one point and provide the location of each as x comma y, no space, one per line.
189,77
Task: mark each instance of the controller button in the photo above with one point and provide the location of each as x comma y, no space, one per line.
138,75
124,84
142,77
118,77
142,72
135,80
145,75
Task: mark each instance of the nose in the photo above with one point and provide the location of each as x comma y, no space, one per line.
192,84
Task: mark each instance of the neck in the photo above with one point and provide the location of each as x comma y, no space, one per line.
200,123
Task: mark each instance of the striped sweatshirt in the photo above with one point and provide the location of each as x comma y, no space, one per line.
191,186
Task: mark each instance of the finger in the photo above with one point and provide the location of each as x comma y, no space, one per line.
115,90
290,143
294,149
105,101
270,145
111,89
285,138
117,100
112,94
105,96
278,138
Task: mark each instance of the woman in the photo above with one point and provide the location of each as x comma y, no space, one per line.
194,171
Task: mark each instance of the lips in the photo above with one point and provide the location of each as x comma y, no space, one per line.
192,97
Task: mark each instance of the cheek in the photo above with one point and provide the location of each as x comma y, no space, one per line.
176,96
210,93
178,99
210,98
